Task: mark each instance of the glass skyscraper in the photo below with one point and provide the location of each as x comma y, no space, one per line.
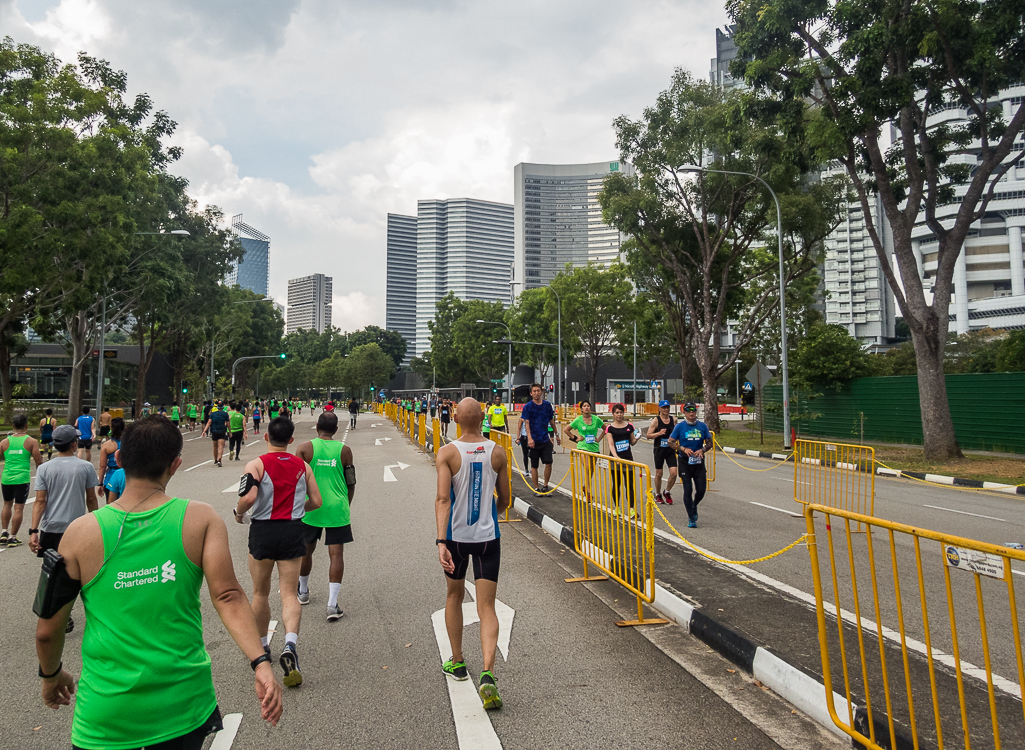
400,301
253,271
558,219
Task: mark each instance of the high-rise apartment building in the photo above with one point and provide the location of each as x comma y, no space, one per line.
463,246
400,275
309,304
725,53
558,219
253,271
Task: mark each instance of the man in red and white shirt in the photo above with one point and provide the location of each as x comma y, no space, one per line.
279,488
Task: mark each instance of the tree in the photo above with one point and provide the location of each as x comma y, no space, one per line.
898,361
654,338
367,365
596,303
1011,354
529,320
827,357
713,231
450,369
975,351
391,342
843,74
471,341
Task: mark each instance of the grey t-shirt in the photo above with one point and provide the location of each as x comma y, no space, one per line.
65,479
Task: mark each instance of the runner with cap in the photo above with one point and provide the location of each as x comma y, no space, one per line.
691,438
659,431
470,472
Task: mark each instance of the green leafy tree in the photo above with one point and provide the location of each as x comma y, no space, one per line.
450,368
596,303
845,75
529,319
897,361
367,365
713,231
1011,354
655,348
391,342
471,341
975,351
827,357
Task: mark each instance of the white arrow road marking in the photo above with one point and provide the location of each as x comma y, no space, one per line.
198,465
473,727
231,488
224,739
505,619
381,441
388,476
271,627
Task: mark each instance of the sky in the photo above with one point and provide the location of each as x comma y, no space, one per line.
316,118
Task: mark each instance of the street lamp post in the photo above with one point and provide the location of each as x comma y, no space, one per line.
558,356
103,321
509,331
782,297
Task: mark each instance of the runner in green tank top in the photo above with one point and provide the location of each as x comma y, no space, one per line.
16,451
192,414
176,415
329,460
146,675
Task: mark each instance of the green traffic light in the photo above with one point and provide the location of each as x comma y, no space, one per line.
185,390
282,355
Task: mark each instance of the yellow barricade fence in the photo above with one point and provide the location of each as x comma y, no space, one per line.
710,469
422,431
931,607
613,524
436,434
411,420
504,439
836,475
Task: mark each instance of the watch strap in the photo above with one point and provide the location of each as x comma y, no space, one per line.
50,676
259,660
440,541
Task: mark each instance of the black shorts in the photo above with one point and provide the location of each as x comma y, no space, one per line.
502,428
444,419
218,436
192,741
487,558
85,443
541,452
104,430
334,535
49,540
277,540
666,456
15,493
192,419
46,440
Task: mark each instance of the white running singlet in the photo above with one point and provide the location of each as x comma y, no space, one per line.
473,515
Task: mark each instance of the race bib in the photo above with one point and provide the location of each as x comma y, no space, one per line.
622,446
588,438
694,460
664,443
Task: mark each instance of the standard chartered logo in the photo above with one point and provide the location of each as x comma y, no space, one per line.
127,579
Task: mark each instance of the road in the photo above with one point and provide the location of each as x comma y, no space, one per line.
571,678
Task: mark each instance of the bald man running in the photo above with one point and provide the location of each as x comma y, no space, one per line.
470,470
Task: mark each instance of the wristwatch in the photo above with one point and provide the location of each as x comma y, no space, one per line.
33,531
259,660
440,541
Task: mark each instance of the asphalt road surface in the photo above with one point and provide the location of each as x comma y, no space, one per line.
570,678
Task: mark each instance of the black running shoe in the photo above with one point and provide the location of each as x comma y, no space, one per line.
70,626
289,661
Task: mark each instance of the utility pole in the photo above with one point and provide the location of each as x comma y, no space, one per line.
635,370
99,365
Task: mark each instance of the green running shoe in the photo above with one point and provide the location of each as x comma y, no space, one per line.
456,670
488,691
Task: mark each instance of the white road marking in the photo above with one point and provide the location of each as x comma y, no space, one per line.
252,443
505,620
231,488
198,465
195,438
773,507
473,727
388,476
381,441
271,627
224,739
963,513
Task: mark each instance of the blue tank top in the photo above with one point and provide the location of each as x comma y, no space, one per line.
111,459
85,426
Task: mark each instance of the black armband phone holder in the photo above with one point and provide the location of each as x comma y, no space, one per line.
246,483
56,588
350,475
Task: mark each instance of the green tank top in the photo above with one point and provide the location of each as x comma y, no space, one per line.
175,414
16,461
327,470
191,410
235,419
150,682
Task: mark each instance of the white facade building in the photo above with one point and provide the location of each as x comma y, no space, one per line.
464,246
558,219
400,279
309,303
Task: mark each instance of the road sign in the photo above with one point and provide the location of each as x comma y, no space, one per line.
576,386
759,374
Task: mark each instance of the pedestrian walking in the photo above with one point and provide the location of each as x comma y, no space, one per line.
691,439
620,437
659,432
17,451
540,417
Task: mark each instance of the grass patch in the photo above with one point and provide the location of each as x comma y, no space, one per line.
1009,470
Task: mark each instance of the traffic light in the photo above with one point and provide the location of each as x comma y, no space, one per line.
184,388
551,387
283,355
371,389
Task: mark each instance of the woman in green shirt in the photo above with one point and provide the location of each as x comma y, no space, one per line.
589,431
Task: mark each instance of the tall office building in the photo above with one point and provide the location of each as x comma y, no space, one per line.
400,300
309,304
463,246
253,271
725,53
558,219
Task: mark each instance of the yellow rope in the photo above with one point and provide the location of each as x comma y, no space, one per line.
723,559
943,484
523,475
745,468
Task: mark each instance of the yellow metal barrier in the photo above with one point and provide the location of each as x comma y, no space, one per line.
436,434
422,431
504,439
411,421
898,681
836,475
613,524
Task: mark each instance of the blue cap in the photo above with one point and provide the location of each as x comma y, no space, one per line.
663,404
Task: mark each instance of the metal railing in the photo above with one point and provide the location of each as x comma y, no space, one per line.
836,475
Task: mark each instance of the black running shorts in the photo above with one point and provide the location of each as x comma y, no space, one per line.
104,430
333,535
15,493
218,436
487,558
277,540
541,452
86,443
666,456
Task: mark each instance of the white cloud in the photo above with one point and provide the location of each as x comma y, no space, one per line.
315,118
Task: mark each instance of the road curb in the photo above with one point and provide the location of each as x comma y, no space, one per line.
792,684
1010,489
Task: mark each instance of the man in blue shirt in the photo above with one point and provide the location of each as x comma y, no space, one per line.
539,414
691,439
86,426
